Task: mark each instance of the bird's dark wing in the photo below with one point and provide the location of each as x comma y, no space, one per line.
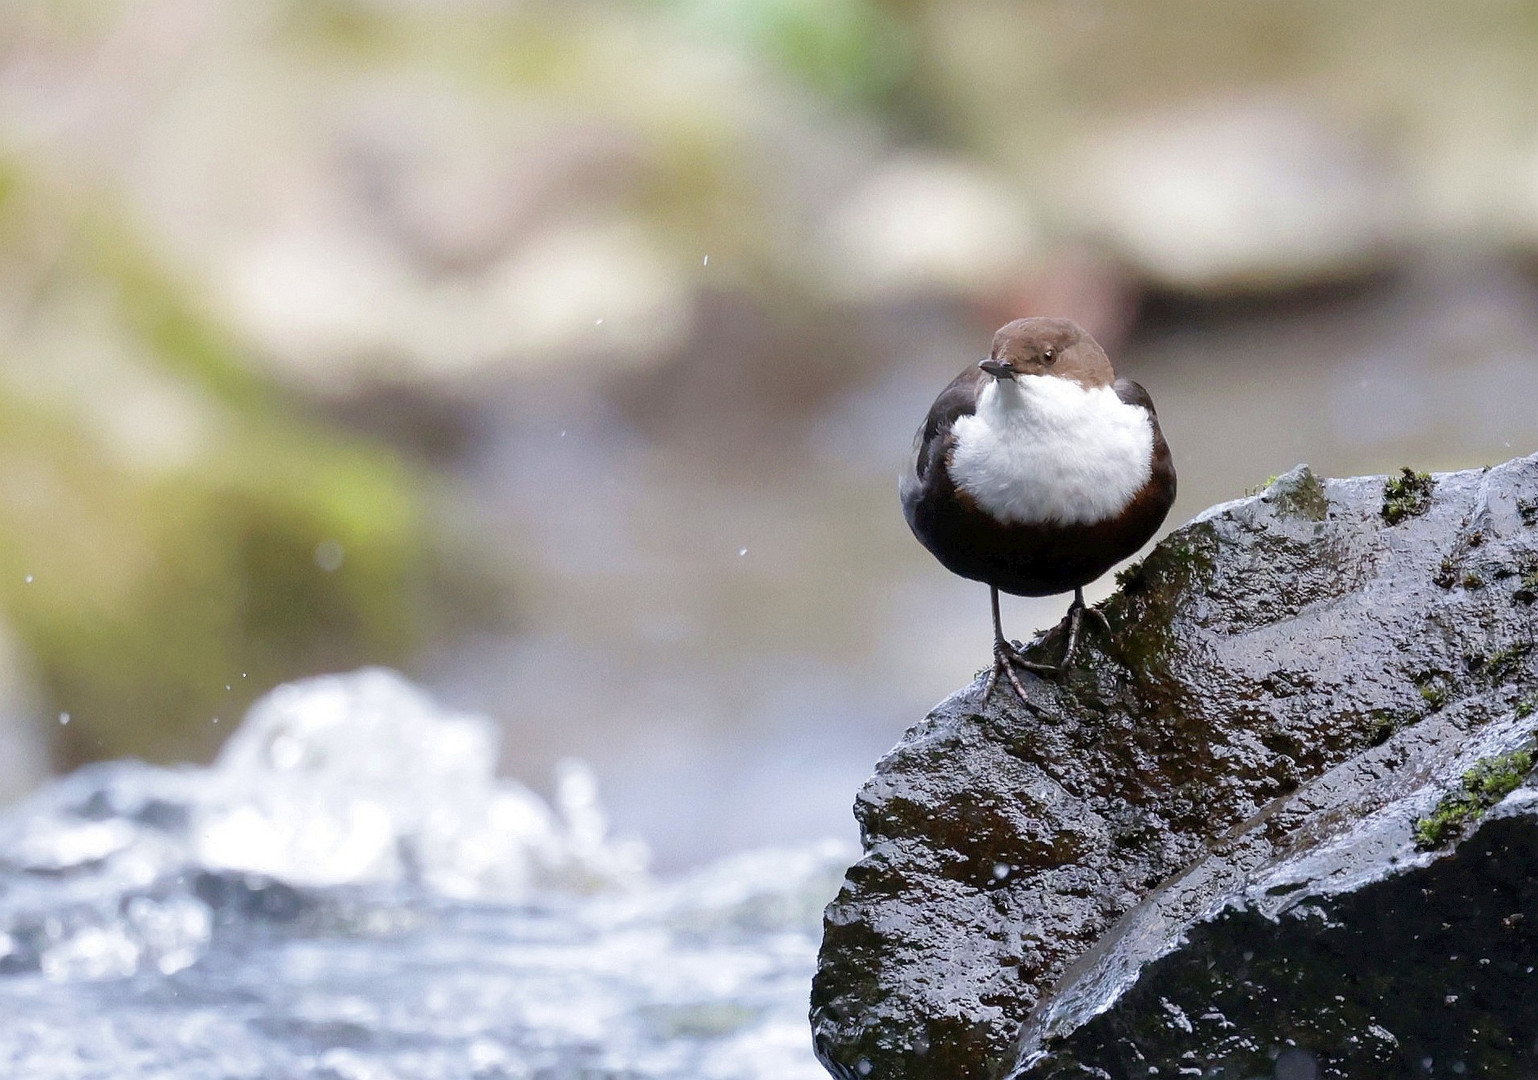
956,400
1133,394
1163,464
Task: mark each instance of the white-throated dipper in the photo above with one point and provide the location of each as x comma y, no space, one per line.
1036,471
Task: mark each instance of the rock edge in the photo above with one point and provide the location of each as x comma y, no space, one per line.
1287,667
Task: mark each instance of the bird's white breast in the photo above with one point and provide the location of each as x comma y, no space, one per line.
1043,449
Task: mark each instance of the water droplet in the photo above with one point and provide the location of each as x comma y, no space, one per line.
563,433
29,579
597,322
329,555
63,718
1000,871
216,719
741,552
705,261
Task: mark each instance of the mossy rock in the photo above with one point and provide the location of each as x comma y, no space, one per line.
1281,669
1406,495
1487,783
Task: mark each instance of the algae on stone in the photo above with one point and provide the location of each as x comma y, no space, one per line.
1487,783
1299,492
1406,495
1503,662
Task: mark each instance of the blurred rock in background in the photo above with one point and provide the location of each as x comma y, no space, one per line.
565,353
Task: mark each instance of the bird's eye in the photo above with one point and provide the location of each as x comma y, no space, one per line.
1049,356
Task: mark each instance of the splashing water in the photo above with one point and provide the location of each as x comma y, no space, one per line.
350,893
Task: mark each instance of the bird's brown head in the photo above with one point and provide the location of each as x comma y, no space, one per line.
1058,347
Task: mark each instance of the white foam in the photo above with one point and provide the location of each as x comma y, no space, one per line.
363,778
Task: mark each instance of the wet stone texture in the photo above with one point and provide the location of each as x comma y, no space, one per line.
1422,974
1198,854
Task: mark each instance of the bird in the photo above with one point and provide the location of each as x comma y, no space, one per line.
1035,472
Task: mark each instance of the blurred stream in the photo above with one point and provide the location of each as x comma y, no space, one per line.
349,894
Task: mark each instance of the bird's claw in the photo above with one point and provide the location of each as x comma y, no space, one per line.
1010,655
1076,615
1099,616
1006,657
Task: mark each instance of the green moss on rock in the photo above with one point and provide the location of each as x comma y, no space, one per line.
1433,688
1406,495
1300,493
1486,784
1504,662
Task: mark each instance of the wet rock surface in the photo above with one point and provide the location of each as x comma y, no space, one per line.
1428,973
1295,684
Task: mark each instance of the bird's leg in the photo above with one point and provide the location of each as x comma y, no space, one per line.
1003,655
1006,656
1015,655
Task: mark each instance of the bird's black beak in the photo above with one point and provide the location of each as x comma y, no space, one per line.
997,368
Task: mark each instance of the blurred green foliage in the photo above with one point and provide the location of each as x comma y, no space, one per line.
852,50
153,599
855,51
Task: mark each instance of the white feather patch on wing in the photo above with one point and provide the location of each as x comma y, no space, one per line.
1042,449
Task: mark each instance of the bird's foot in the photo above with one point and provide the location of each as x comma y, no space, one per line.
1006,658
1077,612
1099,616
